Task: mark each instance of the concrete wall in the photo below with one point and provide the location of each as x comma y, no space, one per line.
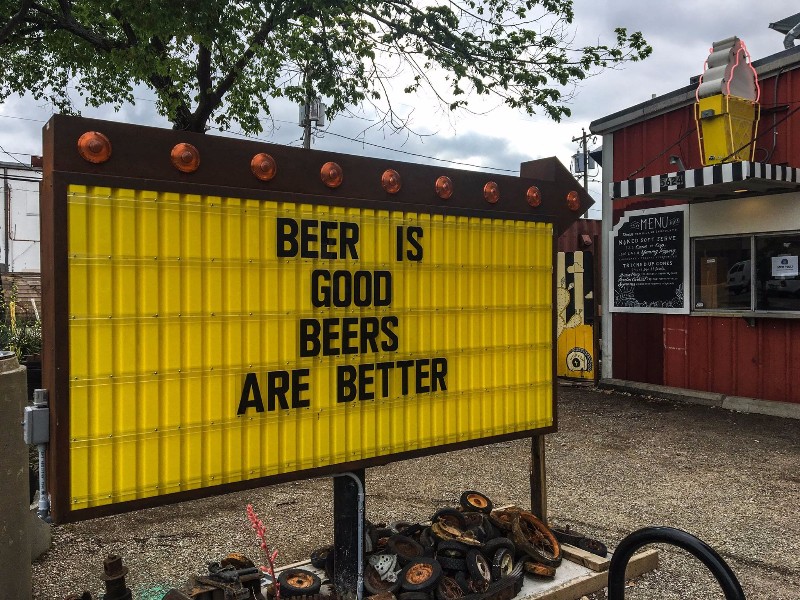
15,548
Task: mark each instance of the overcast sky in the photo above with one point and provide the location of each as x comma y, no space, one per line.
680,31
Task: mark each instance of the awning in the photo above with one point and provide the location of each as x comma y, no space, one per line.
715,182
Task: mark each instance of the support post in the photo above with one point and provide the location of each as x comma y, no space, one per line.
538,479
348,534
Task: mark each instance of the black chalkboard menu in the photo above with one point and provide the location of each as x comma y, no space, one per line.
649,261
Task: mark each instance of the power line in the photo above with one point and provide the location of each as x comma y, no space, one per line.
755,139
338,135
22,118
3,150
454,162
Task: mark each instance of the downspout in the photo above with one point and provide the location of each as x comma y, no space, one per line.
607,205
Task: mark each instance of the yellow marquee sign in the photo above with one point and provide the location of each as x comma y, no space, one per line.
215,340
246,318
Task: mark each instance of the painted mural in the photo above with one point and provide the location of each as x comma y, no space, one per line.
575,315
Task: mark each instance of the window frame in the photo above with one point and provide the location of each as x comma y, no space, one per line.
737,312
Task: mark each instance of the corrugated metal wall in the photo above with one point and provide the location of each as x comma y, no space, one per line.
717,354
731,356
570,240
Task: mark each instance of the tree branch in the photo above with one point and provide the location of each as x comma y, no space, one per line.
66,21
15,20
213,98
165,85
127,29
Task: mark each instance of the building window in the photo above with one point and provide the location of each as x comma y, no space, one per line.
777,283
722,274
747,273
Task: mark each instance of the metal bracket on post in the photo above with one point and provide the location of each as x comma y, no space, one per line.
348,534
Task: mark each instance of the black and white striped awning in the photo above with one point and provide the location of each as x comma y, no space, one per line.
716,182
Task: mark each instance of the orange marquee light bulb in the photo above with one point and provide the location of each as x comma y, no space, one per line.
391,181
491,192
94,147
444,187
534,196
263,166
331,175
185,157
573,201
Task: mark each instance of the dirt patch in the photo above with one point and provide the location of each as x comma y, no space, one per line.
618,463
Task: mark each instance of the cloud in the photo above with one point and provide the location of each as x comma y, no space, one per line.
680,31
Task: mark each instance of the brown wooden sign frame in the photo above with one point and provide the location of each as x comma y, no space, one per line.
141,160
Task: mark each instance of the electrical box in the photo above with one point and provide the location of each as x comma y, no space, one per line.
36,425
316,112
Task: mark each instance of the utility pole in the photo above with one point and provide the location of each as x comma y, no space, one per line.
307,117
584,140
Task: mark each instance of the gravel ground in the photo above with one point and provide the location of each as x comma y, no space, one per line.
618,463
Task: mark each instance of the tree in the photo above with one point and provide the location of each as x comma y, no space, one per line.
225,61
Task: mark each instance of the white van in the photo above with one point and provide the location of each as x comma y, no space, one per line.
739,277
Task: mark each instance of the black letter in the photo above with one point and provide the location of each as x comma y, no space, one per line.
383,288
384,367
362,288
404,365
309,337
369,334
345,386
349,334
326,241
306,237
285,236
422,376
439,372
348,238
342,289
277,386
393,343
320,295
299,386
250,383
329,335
364,380
414,241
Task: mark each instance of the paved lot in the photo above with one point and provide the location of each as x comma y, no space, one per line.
618,463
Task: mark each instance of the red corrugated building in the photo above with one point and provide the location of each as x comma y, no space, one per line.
701,287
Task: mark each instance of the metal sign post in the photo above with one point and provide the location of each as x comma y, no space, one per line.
348,534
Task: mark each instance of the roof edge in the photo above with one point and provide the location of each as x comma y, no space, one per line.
765,67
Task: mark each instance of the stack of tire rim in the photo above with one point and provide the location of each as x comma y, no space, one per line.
471,552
